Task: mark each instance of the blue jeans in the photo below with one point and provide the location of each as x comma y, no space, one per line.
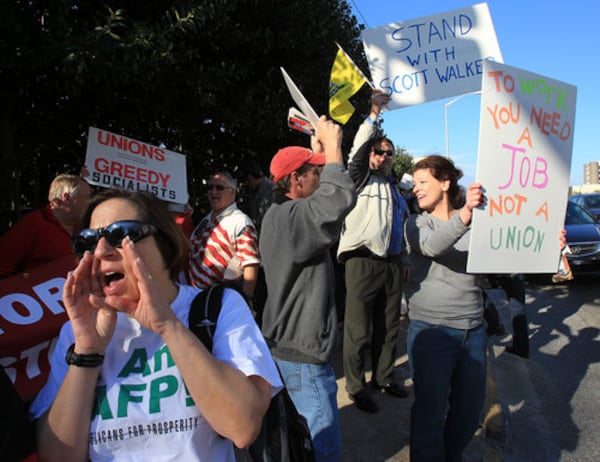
313,390
449,367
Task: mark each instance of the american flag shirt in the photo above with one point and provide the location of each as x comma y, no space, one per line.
222,245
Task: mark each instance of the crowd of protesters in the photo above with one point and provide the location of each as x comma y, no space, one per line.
128,357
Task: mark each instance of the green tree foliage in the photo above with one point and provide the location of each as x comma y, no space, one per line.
201,76
402,162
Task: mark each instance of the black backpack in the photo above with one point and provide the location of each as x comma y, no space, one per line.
285,436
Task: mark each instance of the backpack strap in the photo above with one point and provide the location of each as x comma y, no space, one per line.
204,314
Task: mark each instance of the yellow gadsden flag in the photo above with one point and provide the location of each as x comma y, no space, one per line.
346,79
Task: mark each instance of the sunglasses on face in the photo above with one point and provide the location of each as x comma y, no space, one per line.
87,239
381,152
218,187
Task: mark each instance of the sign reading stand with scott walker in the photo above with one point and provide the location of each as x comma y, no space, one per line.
433,57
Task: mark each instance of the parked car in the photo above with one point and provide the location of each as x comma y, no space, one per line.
590,202
583,238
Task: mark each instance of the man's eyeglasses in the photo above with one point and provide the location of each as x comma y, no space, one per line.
218,187
381,152
87,239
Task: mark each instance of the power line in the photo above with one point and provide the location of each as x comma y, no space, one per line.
360,13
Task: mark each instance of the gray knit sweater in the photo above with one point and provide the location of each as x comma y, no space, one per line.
299,319
441,292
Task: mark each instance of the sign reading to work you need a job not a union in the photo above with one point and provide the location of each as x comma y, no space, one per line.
523,163
434,57
115,161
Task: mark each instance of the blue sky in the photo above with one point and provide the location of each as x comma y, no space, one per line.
556,39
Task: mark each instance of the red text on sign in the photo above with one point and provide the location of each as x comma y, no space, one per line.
131,172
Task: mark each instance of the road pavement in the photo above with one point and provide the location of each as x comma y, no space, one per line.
550,403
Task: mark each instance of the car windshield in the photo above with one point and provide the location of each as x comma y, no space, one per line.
577,216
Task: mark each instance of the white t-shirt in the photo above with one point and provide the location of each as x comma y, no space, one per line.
146,413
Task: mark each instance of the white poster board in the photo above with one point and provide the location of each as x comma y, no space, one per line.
115,161
523,163
431,58
300,100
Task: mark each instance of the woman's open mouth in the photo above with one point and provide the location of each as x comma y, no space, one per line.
111,281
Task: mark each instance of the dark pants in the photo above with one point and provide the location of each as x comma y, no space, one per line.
514,286
449,373
373,297
260,296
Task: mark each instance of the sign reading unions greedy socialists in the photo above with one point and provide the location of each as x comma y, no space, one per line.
523,164
115,161
433,57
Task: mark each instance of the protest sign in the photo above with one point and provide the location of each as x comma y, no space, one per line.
524,159
303,104
299,122
115,161
433,57
31,315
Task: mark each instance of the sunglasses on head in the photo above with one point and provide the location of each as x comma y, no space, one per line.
87,239
381,152
218,187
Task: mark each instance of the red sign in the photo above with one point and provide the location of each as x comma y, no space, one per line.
31,315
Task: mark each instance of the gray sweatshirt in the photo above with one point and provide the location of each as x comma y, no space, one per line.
299,319
441,292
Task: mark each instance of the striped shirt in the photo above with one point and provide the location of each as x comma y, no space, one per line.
222,246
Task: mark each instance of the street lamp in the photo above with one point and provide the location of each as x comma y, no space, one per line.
446,105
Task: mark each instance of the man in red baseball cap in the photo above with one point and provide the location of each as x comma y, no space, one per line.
313,195
290,159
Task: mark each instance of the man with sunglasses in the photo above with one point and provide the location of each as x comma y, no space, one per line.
225,242
313,194
372,248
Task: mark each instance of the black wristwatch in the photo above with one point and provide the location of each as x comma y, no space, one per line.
92,360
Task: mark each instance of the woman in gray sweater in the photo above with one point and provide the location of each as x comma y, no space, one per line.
446,335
